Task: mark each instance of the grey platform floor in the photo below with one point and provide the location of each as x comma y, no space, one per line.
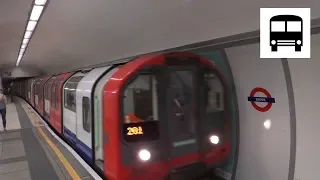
26,155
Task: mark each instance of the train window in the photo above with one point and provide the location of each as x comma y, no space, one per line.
36,88
57,95
47,88
70,92
37,92
140,108
183,102
46,93
29,90
214,101
53,94
214,93
86,115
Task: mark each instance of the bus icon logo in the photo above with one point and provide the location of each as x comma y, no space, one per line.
286,30
285,33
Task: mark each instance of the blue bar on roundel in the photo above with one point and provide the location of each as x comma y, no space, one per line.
261,99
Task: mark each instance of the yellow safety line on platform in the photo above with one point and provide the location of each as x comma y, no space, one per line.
64,161
61,157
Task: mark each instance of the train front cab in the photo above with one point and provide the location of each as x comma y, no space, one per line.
180,129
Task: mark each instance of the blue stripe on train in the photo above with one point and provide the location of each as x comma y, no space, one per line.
82,148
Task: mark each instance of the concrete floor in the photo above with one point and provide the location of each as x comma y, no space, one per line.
26,155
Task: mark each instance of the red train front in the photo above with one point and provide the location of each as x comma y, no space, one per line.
160,116
165,116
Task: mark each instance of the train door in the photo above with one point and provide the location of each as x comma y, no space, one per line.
37,93
53,102
195,116
33,87
70,106
58,109
29,90
48,98
182,114
98,120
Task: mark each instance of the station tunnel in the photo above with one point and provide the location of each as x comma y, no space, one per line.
167,90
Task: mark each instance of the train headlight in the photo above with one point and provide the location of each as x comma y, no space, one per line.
144,155
273,42
298,42
214,139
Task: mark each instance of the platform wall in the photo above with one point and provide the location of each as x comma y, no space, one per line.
305,74
289,148
264,154
16,72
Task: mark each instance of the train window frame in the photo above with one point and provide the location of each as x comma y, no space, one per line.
221,106
56,95
29,89
46,90
70,89
150,71
53,92
211,115
37,92
86,122
59,82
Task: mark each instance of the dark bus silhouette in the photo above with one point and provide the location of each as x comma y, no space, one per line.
286,30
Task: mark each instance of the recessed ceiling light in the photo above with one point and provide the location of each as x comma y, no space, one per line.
36,12
40,2
31,25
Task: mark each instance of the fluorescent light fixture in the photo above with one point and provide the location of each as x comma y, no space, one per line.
18,62
36,12
22,51
28,34
40,2
25,41
31,25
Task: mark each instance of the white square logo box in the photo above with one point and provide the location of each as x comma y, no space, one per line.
285,32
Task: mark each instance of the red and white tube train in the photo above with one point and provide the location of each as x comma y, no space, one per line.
160,116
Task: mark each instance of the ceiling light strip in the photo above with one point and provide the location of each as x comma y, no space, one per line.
37,10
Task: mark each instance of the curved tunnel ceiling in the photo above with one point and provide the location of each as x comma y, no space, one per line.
73,33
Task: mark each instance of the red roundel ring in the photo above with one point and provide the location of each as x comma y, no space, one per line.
265,92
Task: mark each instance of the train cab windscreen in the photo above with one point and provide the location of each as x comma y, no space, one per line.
140,108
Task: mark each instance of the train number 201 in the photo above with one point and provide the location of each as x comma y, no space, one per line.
134,130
